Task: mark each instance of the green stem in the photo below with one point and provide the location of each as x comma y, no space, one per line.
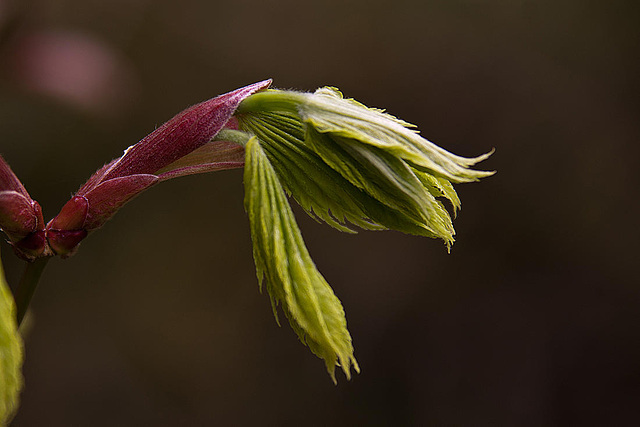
27,286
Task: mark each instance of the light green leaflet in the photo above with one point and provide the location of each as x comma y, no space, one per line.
292,279
10,354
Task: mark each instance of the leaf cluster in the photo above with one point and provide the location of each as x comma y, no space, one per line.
347,165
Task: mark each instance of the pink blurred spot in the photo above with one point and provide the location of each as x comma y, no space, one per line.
73,68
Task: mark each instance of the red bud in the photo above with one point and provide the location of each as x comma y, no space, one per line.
184,133
20,216
17,216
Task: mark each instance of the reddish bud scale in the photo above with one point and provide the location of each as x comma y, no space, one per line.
72,215
66,230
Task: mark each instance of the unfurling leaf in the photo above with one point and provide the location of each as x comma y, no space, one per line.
10,354
292,280
345,162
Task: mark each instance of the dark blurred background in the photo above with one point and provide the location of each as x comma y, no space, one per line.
533,319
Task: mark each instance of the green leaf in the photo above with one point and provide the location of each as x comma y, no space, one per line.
292,279
10,354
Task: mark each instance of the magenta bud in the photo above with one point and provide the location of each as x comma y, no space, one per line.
18,218
22,222
182,134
